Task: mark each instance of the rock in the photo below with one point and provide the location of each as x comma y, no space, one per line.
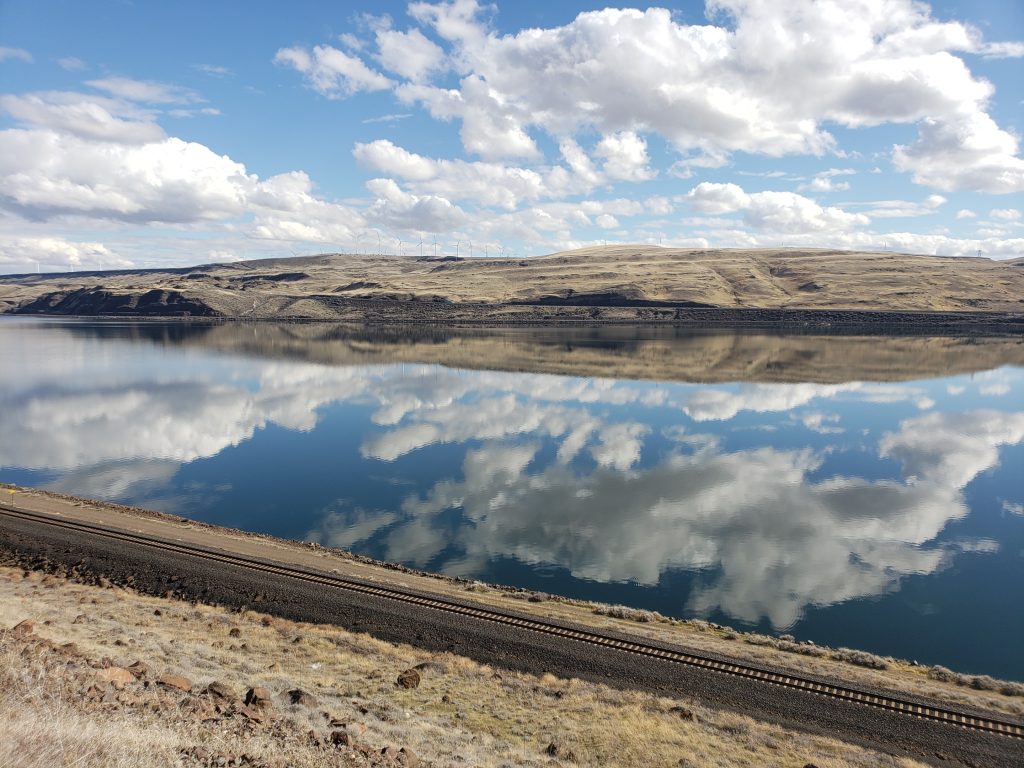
301,698
234,632
68,649
118,677
342,739
24,628
259,697
390,753
221,691
559,750
250,714
139,669
175,681
538,597
410,678
80,619
683,712
410,757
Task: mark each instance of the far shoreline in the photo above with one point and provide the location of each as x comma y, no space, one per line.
427,314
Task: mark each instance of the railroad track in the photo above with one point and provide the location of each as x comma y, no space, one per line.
793,682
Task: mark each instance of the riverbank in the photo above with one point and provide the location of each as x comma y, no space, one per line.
782,652
106,676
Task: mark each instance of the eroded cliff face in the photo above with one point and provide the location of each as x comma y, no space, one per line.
94,302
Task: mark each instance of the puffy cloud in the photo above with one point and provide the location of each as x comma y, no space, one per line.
789,212
285,208
488,129
709,197
399,209
46,173
772,211
382,155
14,54
481,183
825,180
410,55
83,115
963,152
331,72
1005,214
455,20
993,245
26,254
765,84
625,157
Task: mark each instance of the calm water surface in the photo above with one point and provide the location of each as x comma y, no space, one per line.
857,492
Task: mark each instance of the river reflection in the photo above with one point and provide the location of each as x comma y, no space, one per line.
812,485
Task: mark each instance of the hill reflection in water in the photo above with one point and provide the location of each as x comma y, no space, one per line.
857,491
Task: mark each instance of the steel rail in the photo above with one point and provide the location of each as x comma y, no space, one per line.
790,681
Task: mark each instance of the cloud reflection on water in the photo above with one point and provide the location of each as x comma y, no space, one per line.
558,470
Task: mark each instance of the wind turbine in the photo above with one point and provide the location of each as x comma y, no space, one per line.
401,251
435,246
380,249
457,244
470,248
421,247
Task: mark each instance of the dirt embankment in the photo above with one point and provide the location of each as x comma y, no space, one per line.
95,676
603,285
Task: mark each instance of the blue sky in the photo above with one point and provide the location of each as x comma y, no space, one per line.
153,134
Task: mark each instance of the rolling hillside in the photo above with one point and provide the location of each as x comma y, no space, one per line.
342,286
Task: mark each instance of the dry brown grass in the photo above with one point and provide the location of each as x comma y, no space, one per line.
781,278
462,713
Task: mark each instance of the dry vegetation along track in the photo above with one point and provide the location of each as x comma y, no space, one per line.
950,718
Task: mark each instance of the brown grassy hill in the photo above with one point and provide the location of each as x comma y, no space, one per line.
614,276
